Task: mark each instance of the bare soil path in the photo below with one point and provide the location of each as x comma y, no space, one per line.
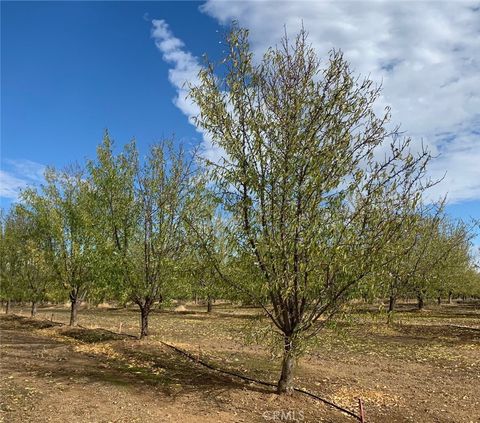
46,380
424,368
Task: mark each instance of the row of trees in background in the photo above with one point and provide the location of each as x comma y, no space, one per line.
314,203
113,230
436,262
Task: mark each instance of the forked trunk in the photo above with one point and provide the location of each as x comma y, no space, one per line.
34,309
285,384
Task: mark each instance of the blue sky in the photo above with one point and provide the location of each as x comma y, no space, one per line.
69,70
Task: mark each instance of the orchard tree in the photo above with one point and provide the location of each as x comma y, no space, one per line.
446,261
469,285
142,205
310,204
63,208
203,281
435,256
209,247
34,264
11,287
411,252
113,179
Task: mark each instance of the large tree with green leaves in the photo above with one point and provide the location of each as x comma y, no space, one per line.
141,206
63,211
312,207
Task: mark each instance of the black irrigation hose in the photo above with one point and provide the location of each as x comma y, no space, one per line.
260,382
230,373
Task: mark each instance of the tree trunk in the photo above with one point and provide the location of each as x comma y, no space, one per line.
439,300
34,309
7,307
209,305
73,310
421,302
391,304
144,312
285,384
391,308
450,297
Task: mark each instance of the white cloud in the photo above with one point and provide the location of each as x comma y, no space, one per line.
458,163
182,74
10,185
426,53
16,175
185,66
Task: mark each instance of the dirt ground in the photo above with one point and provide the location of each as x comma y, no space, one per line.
424,368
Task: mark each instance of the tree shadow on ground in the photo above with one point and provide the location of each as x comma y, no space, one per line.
91,336
448,333
203,315
167,371
410,310
11,321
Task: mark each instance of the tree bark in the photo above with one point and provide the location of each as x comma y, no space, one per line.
285,384
421,302
144,312
450,297
34,309
439,300
391,304
391,308
73,309
7,307
209,304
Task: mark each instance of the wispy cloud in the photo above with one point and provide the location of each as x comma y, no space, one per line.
184,66
182,74
16,175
